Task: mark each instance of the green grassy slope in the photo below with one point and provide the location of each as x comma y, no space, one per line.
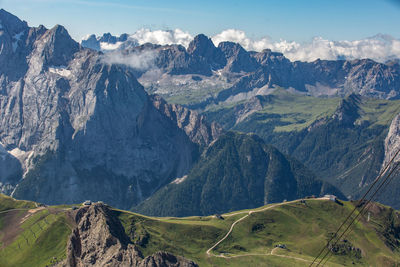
30,235
40,238
283,110
7,203
303,228
346,153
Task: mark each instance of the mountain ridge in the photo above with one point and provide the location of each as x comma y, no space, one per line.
248,71
81,127
236,171
341,139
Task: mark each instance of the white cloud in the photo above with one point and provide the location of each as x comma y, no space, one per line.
104,46
176,36
380,47
139,61
233,35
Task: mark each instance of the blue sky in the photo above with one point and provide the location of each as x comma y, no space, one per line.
291,20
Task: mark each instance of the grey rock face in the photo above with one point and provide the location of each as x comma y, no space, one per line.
238,59
392,141
320,78
348,110
58,47
235,172
12,32
85,129
391,190
107,39
248,70
202,46
175,60
100,240
10,171
91,42
242,111
194,125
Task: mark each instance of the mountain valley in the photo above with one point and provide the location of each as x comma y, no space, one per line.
115,152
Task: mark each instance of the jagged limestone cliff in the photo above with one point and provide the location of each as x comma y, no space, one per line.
392,141
82,128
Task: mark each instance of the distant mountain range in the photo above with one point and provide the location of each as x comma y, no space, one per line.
230,72
333,116
108,42
74,126
78,124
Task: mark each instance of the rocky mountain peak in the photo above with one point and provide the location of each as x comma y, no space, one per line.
266,57
202,46
91,42
231,49
100,240
107,37
123,37
348,109
59,47
111,39
82,118
238,59
108,41
13,33
10,23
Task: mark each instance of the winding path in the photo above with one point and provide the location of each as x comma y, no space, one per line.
5,211
244,217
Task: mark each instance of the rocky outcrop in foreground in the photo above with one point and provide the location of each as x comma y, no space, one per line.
100,240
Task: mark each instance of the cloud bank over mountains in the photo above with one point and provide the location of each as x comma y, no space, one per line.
176,36
380,47
138,61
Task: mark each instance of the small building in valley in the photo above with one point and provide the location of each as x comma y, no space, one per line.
330,197
87,203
